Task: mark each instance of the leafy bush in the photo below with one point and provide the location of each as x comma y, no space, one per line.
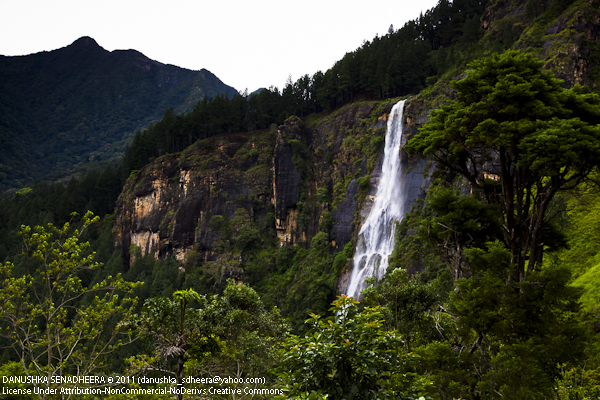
349,356
363,182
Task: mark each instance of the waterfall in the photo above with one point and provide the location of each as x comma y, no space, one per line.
376,237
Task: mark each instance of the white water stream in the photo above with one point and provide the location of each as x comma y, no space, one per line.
376,237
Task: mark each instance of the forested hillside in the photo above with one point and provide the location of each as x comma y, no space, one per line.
228,230
81,104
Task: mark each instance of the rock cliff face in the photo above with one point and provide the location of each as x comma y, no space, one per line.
306,177
349,137
571,47
567,37
286,180
167,207
285,184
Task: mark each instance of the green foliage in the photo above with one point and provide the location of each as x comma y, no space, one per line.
24,191
581,379
517,139
319,242
175,329
534,319
53,203
497,338
414,251
590,283
514,123
491,320
218,223
47,325
225,335
88,105
322,194
299,152
349,356
348,143
408,306
363,182
15,369
375,143
326,223
161,277
582,230
244,230
308,283
341,258
581,382
297,279
455,223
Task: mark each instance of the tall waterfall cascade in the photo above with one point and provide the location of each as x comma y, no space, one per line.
376,236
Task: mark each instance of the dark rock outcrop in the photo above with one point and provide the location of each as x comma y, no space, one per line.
167,208
286,178
568,43
343,216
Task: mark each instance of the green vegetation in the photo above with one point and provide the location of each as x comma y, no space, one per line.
349,356
72,109
505,304
483,334
227,335
55,318
517,138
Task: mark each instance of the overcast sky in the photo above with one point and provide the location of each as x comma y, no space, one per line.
246,43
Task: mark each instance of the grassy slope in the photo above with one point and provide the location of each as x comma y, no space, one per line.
583,255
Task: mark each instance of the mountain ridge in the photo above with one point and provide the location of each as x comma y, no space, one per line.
81,104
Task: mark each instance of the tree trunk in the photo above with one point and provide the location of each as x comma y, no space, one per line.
180,362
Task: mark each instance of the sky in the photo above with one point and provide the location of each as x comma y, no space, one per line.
248,44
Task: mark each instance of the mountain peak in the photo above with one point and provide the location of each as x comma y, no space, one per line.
85,42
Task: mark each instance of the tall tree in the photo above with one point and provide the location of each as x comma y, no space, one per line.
51,330
518,138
